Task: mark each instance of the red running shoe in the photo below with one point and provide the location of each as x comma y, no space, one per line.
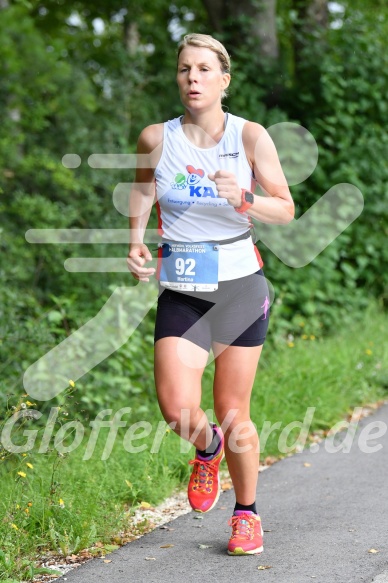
247,535
204,485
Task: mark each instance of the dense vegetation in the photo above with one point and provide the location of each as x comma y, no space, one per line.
84,78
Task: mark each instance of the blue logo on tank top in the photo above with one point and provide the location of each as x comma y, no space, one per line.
202,191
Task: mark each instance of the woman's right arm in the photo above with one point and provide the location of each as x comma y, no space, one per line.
142,196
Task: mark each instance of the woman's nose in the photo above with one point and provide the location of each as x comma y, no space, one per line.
193,75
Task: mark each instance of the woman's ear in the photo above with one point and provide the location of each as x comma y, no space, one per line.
225,81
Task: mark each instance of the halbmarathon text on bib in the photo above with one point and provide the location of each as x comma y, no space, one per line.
189,266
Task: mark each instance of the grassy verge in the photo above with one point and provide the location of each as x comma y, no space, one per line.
63,502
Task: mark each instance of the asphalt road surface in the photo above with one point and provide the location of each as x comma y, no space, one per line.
325,516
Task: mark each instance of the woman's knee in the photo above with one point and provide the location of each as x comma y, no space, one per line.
230,415
179,415
177,402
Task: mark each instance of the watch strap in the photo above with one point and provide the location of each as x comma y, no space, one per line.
245,205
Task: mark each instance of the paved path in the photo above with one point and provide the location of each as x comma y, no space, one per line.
321,521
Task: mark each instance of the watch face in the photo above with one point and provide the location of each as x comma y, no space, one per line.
249,197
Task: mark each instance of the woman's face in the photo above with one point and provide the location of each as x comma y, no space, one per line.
200,78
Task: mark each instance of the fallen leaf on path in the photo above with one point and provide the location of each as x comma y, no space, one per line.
150,559
107,561
85,553
307,465
205,546
269,460
226,486
145,505
262,567
374,551
166,546
196,517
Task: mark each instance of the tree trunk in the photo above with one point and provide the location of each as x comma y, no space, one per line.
254,18
264,27
216,12
131,37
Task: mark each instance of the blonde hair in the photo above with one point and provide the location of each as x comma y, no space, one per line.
208,42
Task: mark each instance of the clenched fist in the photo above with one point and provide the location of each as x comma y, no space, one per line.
138,255
227,186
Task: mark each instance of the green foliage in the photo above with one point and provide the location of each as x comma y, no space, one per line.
339,93
60,76
66,542
354,85
68,88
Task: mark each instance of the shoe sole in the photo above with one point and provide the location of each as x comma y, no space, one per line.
239,552
218,494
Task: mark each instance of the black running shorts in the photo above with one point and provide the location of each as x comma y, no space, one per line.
236,314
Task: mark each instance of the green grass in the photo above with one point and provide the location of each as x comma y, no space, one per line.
72,503
332,375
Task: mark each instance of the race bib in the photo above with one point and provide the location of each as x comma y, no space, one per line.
189,266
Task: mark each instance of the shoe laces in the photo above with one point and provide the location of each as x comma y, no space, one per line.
205,473
242,525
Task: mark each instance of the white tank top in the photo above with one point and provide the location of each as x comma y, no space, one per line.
188,206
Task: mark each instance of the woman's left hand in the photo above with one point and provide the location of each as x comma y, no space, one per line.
227,186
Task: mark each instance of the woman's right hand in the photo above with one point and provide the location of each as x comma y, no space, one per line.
138,255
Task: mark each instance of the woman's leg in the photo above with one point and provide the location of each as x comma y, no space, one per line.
179,366
235,369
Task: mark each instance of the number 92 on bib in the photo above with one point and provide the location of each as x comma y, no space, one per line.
189,266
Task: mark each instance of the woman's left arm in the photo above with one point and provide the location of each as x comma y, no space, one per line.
277,206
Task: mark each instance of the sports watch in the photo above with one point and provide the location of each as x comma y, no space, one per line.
247,199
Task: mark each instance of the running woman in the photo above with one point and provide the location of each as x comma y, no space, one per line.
203,168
